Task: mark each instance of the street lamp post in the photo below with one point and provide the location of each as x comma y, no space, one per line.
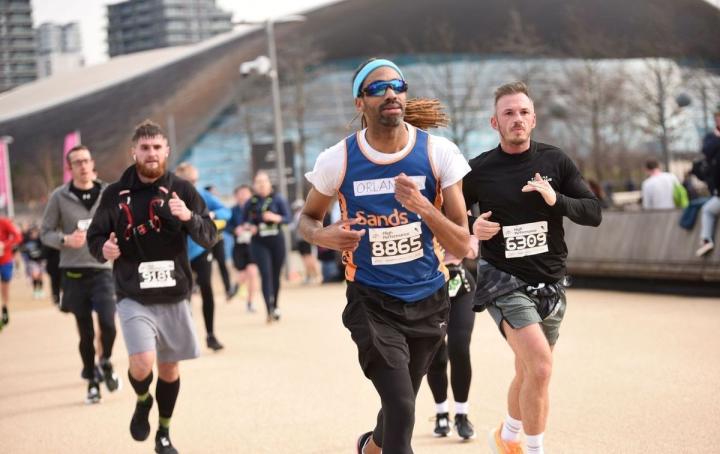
7,140
261,66
277,111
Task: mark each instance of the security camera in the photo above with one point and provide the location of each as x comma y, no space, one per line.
261,65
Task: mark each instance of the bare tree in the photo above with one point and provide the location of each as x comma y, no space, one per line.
594,99
661,116
459,85
297,61
704,90
524,44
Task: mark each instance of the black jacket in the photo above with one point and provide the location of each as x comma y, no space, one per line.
163,241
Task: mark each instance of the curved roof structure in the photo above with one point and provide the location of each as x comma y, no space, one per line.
186,87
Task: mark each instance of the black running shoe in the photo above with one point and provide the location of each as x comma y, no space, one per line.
362,441
93,393
232,292
139,424
464,427
442,425
213,343
112,381
95,374
163,445
5,316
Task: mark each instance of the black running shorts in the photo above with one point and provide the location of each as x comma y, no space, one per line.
86,290
241,256
381,325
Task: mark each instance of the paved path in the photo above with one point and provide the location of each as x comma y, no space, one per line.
634,374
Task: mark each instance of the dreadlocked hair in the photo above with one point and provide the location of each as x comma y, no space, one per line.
426,113
423,113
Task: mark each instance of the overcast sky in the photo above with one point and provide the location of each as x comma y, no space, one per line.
92,16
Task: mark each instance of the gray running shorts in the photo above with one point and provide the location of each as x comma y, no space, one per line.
167,329
519,309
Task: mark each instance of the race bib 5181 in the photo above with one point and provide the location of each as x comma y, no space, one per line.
157,274
525,239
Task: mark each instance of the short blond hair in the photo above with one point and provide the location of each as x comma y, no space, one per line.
512,88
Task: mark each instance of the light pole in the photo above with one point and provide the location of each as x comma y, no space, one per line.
260,65
7,140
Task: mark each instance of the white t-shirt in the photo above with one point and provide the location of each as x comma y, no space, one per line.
657,191
329,166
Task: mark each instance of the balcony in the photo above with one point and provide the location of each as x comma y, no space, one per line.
19,7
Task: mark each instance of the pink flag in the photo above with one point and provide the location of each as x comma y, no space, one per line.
71,140
4,193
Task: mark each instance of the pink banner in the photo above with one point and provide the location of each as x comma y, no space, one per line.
71,140
4,193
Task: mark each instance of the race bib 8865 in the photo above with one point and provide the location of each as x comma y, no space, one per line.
391,245
525,239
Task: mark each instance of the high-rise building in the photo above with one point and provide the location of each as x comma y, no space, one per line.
17,44
137,25
59,48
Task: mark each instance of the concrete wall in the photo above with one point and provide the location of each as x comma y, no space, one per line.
640,245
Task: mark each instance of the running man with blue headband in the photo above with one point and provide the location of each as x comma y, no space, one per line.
400,195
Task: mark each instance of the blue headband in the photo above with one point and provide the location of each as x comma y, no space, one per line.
367,69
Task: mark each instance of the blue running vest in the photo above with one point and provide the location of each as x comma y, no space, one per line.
398,254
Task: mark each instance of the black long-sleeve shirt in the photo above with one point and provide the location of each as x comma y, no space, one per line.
530,244
153,266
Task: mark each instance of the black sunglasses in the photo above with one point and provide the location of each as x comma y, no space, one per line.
379,87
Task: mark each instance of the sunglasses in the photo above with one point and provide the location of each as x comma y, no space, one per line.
379,87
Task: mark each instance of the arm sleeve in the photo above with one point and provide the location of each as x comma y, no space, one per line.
234,220
222,213
645,195
329,169
575,200
50,235
470,199
200,227
100,228
17,236
450,164
283,209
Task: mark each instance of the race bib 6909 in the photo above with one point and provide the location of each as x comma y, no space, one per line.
525,239
392,245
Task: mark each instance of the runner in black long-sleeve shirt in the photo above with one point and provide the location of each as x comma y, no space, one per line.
142,223
524,189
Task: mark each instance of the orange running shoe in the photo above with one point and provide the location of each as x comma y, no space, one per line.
500,446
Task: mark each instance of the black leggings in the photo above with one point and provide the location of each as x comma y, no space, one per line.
456,349
52,267
203,274
398,389
218,252
106,318
269,255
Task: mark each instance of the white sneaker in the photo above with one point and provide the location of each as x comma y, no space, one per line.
706,247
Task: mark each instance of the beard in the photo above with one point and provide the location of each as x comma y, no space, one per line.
150,172
392,120
514,139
